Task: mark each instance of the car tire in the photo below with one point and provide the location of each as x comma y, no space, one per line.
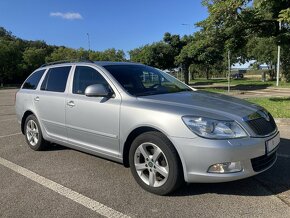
155,163
33,134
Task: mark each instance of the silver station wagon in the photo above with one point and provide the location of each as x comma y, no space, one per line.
165,131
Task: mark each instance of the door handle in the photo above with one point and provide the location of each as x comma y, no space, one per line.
71,104
36,98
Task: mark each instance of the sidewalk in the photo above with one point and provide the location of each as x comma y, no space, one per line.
250,92
282,121
267,92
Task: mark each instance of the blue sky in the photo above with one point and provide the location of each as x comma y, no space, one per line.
120,24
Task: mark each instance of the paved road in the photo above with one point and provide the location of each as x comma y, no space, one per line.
25,189
250,92
268,92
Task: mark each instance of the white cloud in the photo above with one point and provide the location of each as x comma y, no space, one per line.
67,16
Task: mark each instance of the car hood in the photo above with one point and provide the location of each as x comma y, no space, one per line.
202,101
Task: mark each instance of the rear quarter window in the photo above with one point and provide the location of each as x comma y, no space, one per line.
32,81
55,79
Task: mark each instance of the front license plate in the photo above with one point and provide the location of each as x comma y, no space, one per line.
272,143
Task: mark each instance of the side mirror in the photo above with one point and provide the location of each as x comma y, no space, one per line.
98,90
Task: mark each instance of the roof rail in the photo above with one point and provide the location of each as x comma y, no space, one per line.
66,61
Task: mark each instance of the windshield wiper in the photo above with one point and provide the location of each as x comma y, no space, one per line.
150,93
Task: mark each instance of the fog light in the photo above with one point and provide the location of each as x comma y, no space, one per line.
228,167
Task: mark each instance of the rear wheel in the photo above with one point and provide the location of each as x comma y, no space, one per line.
155,164
33,134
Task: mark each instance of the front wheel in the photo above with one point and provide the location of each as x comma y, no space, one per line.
155,164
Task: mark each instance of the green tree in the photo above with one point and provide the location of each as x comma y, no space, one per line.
10,56
236,22
62,53
159,54
107,55
176,43
18,58
6,35
33,58
263,50
284,15
203,52
113,55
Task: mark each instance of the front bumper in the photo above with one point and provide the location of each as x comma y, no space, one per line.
198,154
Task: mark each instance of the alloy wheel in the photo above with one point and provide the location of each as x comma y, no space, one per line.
151,164
32,132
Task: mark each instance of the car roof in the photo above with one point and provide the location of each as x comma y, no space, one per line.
98,63
109,63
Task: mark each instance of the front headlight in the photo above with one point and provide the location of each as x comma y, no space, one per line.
214,129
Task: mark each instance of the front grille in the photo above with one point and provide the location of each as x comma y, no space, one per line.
263,162
261,126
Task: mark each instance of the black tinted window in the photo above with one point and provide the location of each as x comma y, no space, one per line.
33,80
55,79
84,77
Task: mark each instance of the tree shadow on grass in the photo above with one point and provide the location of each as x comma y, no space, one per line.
279,99
204,83
245,87
240,87
201,83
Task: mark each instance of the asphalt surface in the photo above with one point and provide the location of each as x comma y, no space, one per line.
109,183
249,92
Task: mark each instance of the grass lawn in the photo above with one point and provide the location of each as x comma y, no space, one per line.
279,107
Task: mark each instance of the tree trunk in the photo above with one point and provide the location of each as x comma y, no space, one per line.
185,74
192,75
207,73
270,71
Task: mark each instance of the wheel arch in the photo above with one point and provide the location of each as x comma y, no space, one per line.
135,133
25,115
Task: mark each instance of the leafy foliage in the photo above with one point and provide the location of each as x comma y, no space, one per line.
160,55
284,15
249,29
18,58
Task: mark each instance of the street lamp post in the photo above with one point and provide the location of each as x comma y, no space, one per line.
229,66
89,41
188,27
278,59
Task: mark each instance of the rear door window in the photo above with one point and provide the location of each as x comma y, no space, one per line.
56,79
33,80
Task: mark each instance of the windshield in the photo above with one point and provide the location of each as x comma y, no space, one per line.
141,80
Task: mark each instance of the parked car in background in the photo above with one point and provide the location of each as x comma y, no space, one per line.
237,76
164,130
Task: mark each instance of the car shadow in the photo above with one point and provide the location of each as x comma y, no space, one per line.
276,180
55,147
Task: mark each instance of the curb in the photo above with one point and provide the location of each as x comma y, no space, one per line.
282,121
